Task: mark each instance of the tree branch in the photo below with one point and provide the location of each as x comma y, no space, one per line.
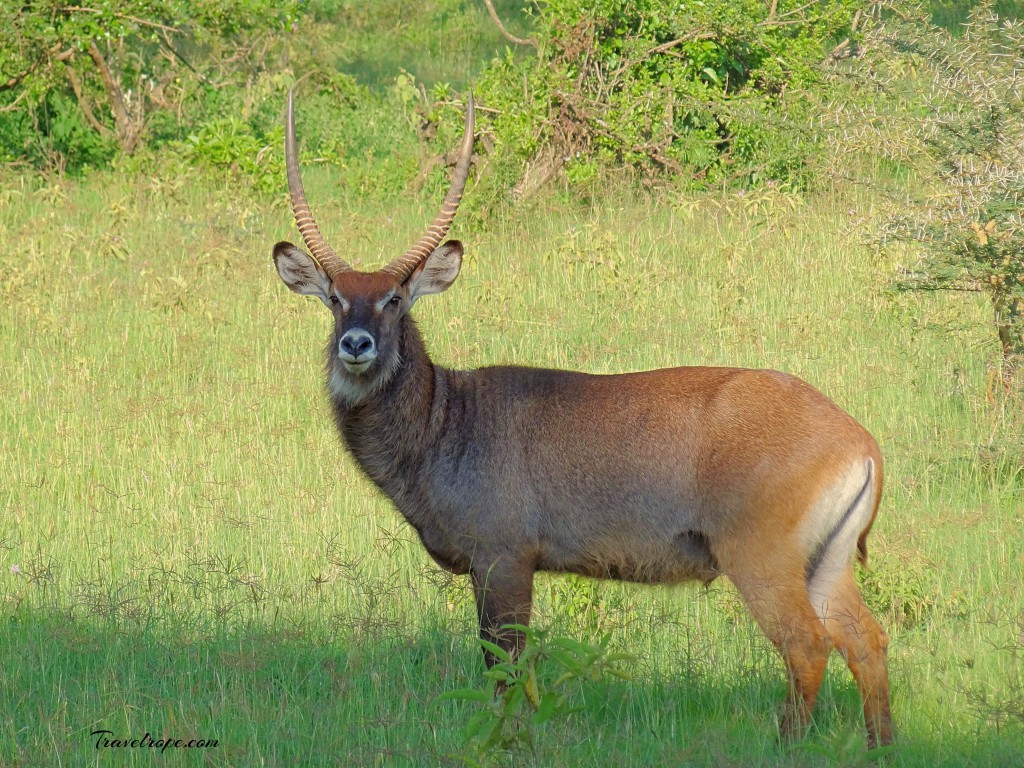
773,21
41,59
133,19
127,133
15,81
83,103
14,104
501,27
843,49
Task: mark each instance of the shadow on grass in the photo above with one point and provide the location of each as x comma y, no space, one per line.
288,697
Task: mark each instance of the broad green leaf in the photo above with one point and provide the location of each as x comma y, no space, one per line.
476,723
547,708
466,694
530,685
513,699
497,650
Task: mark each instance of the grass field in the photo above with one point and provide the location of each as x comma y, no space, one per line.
188,552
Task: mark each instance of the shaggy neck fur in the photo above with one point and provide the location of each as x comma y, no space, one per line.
387,428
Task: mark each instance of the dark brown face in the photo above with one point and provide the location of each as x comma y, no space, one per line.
368,308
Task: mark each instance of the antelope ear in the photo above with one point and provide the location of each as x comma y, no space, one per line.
300,272
438,271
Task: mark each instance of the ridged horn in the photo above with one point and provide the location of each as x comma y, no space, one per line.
403,266
318,247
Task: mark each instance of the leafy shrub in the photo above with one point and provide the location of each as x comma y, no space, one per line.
93,77
542,684
708,91
66,135
368,135
231,144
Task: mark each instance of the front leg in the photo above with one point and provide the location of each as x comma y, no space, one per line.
504,595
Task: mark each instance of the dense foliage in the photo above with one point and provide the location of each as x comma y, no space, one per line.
714,91
102,78
703,92
691,93
697,93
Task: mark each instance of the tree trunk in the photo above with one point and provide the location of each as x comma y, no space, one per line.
1009,312
127,126
83,100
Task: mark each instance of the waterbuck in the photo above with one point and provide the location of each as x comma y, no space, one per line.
655,477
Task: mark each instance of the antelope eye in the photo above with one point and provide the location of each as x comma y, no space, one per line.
394,301
335,300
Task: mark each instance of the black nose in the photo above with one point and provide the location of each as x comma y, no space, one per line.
356,343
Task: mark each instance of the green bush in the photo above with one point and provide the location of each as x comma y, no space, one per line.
367,135
952,15
229,143
94,79
543,683
65,136
710,92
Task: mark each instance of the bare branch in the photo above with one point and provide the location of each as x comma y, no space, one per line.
799,10
126,17
678,41
773,21
461,105
83,102
127,129
14,104
177,54
840,51
41,59
501,27
15,81
843,50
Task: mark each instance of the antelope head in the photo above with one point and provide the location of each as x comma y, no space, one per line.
369,307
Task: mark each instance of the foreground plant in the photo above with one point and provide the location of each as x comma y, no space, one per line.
540,684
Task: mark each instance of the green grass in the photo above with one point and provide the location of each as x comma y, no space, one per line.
199,559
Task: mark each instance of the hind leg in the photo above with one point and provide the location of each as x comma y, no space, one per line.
776,595
863,642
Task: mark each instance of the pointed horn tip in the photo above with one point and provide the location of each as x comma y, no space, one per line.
318,248
403,266
469,136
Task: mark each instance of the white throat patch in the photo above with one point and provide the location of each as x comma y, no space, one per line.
354,389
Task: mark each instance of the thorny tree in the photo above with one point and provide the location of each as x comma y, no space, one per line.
965,101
